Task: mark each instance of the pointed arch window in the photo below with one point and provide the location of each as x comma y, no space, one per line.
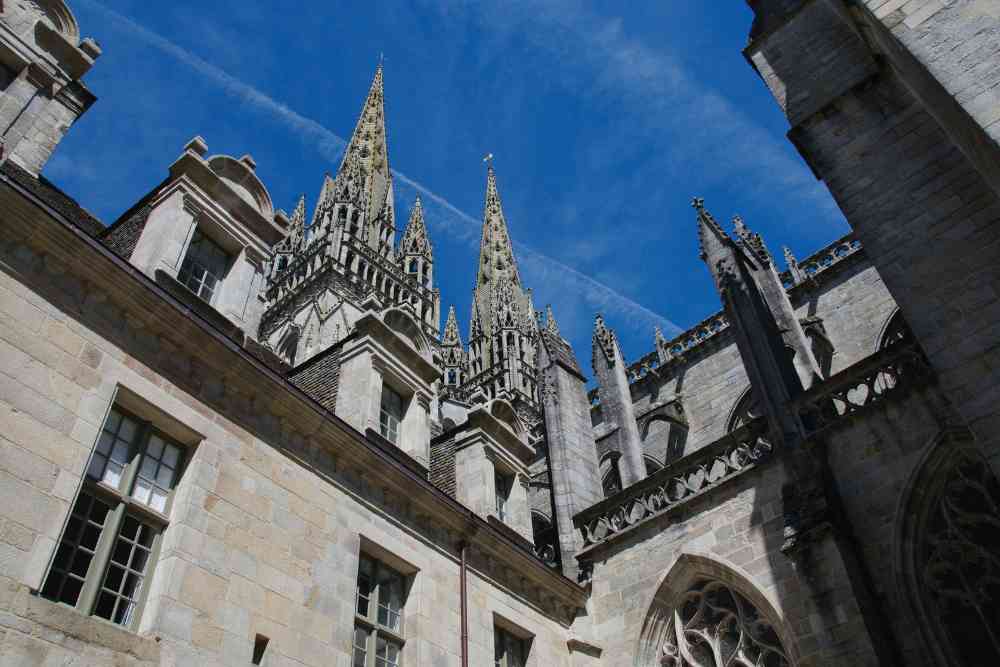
611,478
544,537
714,625
896,331
951,551
747,409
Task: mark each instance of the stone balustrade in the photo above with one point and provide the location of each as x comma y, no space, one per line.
676,484
892,371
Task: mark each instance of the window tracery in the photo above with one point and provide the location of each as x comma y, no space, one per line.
747,409
713,625
957,559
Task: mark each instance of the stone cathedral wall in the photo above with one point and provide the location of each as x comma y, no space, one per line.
849,298
268,518
734,532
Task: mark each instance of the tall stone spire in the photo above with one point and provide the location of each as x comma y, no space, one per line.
369,141
364,178
496,253
503,330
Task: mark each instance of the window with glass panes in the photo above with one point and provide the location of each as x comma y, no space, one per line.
204,266
508,650
378,621
503,484
106,551
390,414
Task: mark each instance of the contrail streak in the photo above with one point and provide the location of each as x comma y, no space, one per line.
330,146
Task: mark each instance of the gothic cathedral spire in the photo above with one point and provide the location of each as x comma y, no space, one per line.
503,329
369,142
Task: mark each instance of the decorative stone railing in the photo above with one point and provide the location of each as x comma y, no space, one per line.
820,261
890,372
697,335
676,484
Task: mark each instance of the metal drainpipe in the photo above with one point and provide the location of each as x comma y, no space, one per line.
463,546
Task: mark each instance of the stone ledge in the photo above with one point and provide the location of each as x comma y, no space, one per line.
25,612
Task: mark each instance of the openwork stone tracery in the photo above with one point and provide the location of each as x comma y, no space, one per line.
713,625
958,560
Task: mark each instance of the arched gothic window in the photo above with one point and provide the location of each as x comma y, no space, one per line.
661,434
951,551
822,350
611,478
747,409
652,465
896,331
714,625
544,535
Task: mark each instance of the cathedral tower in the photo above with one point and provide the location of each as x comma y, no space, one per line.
324,275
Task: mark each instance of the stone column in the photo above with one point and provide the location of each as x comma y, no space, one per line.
572,459
616,401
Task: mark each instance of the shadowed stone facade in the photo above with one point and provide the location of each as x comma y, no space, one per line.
235,436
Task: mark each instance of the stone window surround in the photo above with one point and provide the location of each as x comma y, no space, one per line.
416,406
386,367
246,266
688,567
151,420
504,625
519,483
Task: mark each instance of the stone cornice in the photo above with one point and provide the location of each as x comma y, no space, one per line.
65,263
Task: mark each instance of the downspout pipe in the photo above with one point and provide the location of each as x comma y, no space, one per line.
462,584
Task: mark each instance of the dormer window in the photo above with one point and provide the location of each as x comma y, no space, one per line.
204,266
390,414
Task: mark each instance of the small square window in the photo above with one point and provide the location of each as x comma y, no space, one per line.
204,266
390,414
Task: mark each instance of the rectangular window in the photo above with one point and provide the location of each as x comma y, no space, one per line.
106,551
508,650
503,484
378,624
204,265
390,414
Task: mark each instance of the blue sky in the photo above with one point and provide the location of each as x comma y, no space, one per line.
604,122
